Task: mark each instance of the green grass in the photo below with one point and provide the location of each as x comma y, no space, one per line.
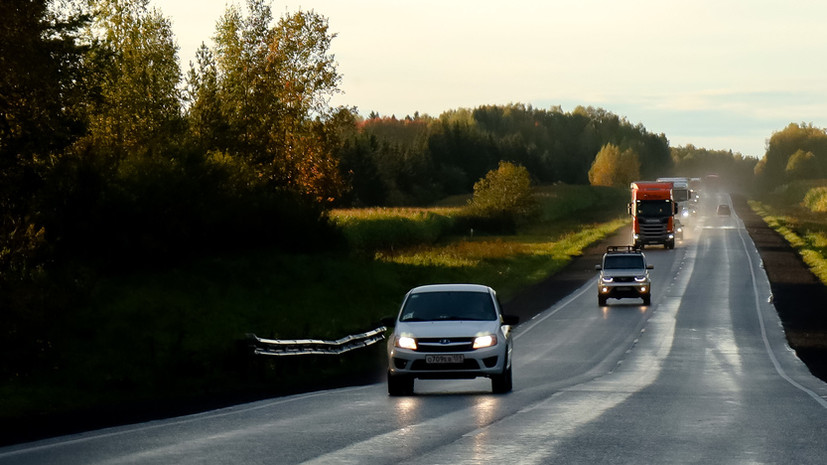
804,229
179,334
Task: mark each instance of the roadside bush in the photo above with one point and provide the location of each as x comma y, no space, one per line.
816,199
504,197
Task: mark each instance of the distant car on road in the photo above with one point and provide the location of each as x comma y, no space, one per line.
723,210
624,273
450,331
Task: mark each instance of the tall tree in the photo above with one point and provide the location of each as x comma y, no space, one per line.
207,127
275,84
136,61
40,92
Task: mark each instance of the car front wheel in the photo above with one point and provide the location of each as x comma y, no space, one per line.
400,385
502,383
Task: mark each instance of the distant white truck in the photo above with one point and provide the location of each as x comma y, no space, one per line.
682,196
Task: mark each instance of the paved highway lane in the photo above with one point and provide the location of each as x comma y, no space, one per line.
703,375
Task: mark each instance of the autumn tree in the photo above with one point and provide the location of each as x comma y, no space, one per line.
802,165
771,170
613,167
274,84
135,60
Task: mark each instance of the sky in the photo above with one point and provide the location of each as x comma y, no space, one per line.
717,74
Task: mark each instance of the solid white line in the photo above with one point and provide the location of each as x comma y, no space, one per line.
767,345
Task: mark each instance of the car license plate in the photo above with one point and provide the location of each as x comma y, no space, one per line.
445,358
624,289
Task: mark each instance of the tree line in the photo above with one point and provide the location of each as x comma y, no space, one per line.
420,159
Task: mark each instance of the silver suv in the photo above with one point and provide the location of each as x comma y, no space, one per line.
624,273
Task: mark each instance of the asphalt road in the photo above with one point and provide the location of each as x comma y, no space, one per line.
703,375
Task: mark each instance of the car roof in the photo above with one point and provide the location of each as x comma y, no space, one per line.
615,250
451,287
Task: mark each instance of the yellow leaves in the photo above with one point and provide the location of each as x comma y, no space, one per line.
504,190
611,167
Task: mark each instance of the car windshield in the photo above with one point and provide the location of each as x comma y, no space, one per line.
617,262
654,208
449,305
680,195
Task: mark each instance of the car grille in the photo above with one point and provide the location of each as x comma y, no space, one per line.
445,344
468,364
624,279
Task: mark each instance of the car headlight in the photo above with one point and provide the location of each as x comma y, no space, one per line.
488,340
640,279
607,279
405,342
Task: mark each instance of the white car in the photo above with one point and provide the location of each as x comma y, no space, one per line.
450,331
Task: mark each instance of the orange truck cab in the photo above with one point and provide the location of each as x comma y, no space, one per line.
653,210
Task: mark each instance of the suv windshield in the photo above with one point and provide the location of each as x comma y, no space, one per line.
449,305
616,262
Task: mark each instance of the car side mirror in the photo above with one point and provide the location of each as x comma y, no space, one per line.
598,267
389,321
511,320
650,267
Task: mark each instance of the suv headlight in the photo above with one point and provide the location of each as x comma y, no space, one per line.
640,279
481,342
607,279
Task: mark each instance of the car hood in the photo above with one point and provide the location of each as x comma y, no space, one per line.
624,273
462,328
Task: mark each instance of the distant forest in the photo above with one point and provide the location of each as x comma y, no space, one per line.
112,156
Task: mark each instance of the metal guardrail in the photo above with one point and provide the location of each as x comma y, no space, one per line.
283,347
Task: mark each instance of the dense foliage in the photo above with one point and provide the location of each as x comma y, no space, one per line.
798,152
